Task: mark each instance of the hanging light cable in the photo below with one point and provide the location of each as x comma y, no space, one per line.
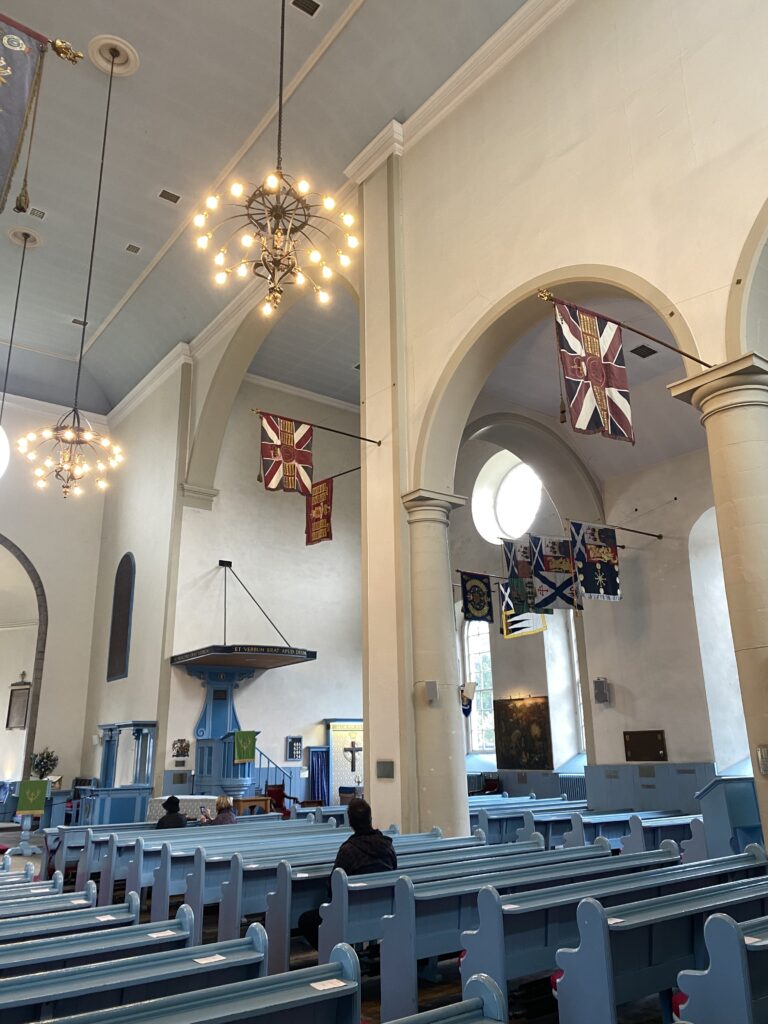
275,227
5,447
71,450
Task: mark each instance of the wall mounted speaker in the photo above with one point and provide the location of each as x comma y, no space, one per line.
602,690
430,688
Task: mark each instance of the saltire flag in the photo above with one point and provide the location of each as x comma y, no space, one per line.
554,582
514,622
594,371
286,454
476,601
319,511
596,557
21,68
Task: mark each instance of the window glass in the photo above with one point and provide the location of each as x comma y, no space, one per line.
122,612
477,656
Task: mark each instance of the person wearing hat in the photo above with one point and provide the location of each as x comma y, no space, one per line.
172,817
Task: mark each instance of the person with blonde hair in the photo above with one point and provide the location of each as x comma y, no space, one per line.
225,814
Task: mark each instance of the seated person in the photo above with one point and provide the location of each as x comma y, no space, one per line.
172,818
366,851
225,814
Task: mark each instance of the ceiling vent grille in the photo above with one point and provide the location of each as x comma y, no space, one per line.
169,197
133,248
34,212
310,7
643,351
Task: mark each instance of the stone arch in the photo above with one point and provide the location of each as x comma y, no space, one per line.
736,340
463,377
42,635
238,354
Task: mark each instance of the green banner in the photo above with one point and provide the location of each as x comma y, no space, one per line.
245,746
32,794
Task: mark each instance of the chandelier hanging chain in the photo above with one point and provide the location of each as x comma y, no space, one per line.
13,325
114,54
280,91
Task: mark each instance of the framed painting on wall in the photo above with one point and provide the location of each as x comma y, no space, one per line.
523,735
18,707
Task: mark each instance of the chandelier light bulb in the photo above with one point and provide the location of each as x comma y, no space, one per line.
77,489
102,485
315,256
323,297
347,220
106,443
344,259
237,189
302,187
202,242
266,309
218,259
212,202
87,435
272,182
329,202
300,279
327,272
352,241
247,240
42,484
242,270
199,220
31,437
221,277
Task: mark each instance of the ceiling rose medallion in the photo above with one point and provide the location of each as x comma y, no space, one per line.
272,231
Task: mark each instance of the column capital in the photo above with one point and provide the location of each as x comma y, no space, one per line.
435,504
741,381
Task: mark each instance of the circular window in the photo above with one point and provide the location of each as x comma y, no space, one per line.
505,498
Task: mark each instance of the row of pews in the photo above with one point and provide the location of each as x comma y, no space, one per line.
548,897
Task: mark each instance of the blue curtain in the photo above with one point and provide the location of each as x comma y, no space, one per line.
319,766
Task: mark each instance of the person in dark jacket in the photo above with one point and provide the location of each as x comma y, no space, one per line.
225,814
172,817
365,852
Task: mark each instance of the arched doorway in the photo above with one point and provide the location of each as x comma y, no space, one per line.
23,633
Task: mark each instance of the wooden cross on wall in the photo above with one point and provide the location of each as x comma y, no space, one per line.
353,750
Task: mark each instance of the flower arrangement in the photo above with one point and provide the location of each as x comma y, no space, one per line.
180,748
44,763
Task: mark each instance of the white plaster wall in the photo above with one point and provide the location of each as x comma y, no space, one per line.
661,172
647,645
138,517
312,593
61,539
17,652
721,676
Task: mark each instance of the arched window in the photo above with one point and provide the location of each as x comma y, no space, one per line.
122,612
477,664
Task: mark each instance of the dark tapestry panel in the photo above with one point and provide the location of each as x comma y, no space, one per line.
523,737
122,611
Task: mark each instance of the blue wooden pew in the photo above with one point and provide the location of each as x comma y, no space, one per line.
300,888
429,918
55,952
22,889
501,822
37,905
572,828
71,920
517,936
482,1001
687,830
246,889
8,877
632,950
326,994
734,988
111,983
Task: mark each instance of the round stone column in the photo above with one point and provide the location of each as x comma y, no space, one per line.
733,400
439,723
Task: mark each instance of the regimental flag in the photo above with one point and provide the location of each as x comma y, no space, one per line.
595,373
286,454
21,67
515,622
517,565
554,582
245,746
319,510
596,557
476,601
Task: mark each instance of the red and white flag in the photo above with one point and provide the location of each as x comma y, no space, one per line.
286,454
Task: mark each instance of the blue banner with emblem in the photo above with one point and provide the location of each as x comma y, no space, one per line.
21,65
476,601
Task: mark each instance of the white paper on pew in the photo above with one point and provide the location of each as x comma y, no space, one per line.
302,874
321,986
615,920
80,903
105,917
751,939
356,885
510,906
162,935
209,959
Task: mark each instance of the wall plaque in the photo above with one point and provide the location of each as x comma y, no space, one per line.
645,745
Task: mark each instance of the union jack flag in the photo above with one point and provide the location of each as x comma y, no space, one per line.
594,371
286,454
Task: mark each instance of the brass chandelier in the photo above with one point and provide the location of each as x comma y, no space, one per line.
273,228
70,451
